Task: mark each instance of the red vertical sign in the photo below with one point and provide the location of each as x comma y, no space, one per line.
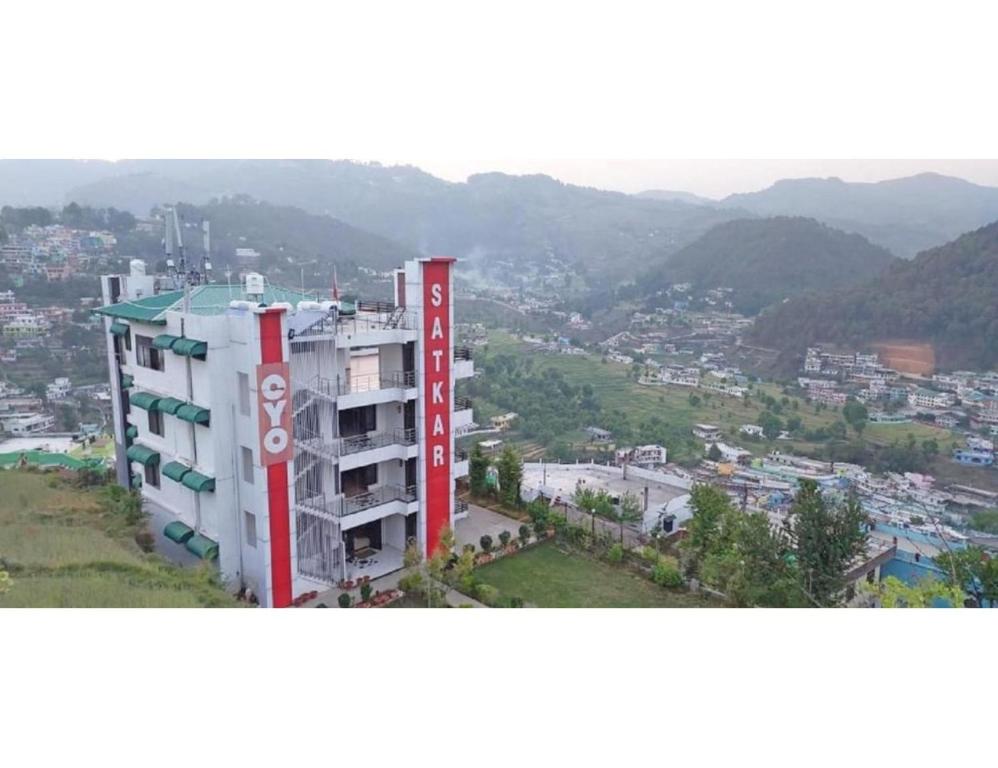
272,357
437,397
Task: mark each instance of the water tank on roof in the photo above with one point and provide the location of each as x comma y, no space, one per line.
254,284
137,268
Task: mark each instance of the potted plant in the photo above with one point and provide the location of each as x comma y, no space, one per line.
344,600
365,591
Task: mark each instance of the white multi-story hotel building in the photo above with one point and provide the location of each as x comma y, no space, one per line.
299,442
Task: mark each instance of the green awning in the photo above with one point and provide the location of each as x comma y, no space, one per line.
194,414
202,546
191,348
136,481
145,456
169,405
118,328
178,532
198,482
165,341
132,431
145,400
175,470
127,381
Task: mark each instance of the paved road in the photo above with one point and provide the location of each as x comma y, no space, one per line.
481,521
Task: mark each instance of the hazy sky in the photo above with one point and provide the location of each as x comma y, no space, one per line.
711,178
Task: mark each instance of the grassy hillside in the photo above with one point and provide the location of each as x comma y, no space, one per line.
944,297
557,396
767,260
67,547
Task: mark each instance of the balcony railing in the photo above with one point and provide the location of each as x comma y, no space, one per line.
462,353
371,382
462,403
460,455
360,443
375,498
460,507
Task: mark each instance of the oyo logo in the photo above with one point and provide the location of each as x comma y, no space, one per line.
275,413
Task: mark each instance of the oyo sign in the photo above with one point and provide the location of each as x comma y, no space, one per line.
274,404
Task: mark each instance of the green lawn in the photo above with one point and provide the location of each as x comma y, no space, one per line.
548,577
63,547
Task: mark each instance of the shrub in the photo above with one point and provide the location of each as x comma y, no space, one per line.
411,582
504,537
650,554
540,528
666,574
524,534
487,594
486,543
558,521
365,591
145,540
616,553
469,547
515,602
344,600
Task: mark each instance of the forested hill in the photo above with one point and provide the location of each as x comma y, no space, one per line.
945,296
286,237
493,216
767,260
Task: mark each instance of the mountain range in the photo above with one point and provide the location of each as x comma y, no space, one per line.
944,300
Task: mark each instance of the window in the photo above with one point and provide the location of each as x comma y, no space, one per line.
128,339
156,422
244,400
146,354
152,475
250,520
247,454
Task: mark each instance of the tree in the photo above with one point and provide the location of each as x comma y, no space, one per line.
894,593
771,425
478,465
714,454
510,469
709,505
855,415
972,570
827,540
629,512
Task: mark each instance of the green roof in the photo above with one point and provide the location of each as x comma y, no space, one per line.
169,405
198,482
165,341
178,532
132,431
46,459
145,456
211,299
175,470
127,381
118,328
191,348
151,309
145,400
202,546
194,414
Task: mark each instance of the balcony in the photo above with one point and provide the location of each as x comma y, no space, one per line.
460,508
460,463
355,451
368,389
360,508
361,450
462,414
464,368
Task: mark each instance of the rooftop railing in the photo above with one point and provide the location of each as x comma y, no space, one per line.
462,403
